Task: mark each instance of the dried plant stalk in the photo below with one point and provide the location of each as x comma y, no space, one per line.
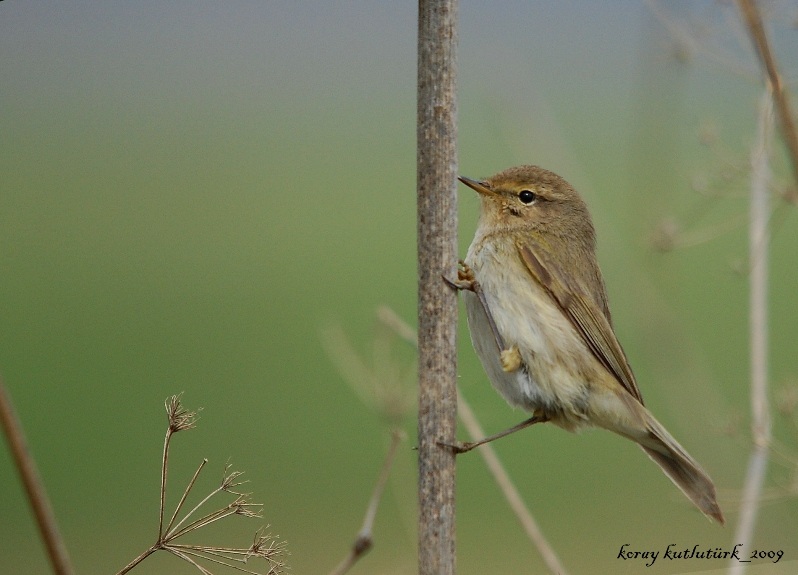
436,171
760,406
264,546
34,488
756,29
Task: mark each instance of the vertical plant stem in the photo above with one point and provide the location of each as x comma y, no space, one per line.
37,496
437,303
758,257
164,470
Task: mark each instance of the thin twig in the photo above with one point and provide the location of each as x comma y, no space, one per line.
364,539
209,556
164,470
182,501
238,507
179,419
756,29
34,488
185,557
758,254
494,465
139,559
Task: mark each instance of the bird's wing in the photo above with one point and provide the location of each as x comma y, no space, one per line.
592,324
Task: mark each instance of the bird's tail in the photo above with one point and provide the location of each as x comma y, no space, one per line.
682,469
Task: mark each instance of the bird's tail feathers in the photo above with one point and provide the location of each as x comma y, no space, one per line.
682,469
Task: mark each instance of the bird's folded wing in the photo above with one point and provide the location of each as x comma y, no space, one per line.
592,324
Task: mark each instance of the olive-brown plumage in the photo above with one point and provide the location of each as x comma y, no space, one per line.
541,325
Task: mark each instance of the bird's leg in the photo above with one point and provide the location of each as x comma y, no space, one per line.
460,447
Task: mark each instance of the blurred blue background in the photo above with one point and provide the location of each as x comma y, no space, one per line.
194,193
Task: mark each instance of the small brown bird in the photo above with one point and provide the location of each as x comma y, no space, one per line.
540,323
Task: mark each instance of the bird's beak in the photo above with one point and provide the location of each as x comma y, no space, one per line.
478,187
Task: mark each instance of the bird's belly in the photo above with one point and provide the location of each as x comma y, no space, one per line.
553,378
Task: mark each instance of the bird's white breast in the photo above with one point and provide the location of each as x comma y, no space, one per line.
527,317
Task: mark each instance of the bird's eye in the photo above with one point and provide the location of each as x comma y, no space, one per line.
527,197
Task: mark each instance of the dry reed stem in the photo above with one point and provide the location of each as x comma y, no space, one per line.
758,324
436,198
34,488
756,29
179,419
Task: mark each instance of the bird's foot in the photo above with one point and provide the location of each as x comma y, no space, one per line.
460,447
511,359
465,278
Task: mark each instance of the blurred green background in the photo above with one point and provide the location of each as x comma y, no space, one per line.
193,193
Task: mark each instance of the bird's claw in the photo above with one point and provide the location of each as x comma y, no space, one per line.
465,278
458,446
511,359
